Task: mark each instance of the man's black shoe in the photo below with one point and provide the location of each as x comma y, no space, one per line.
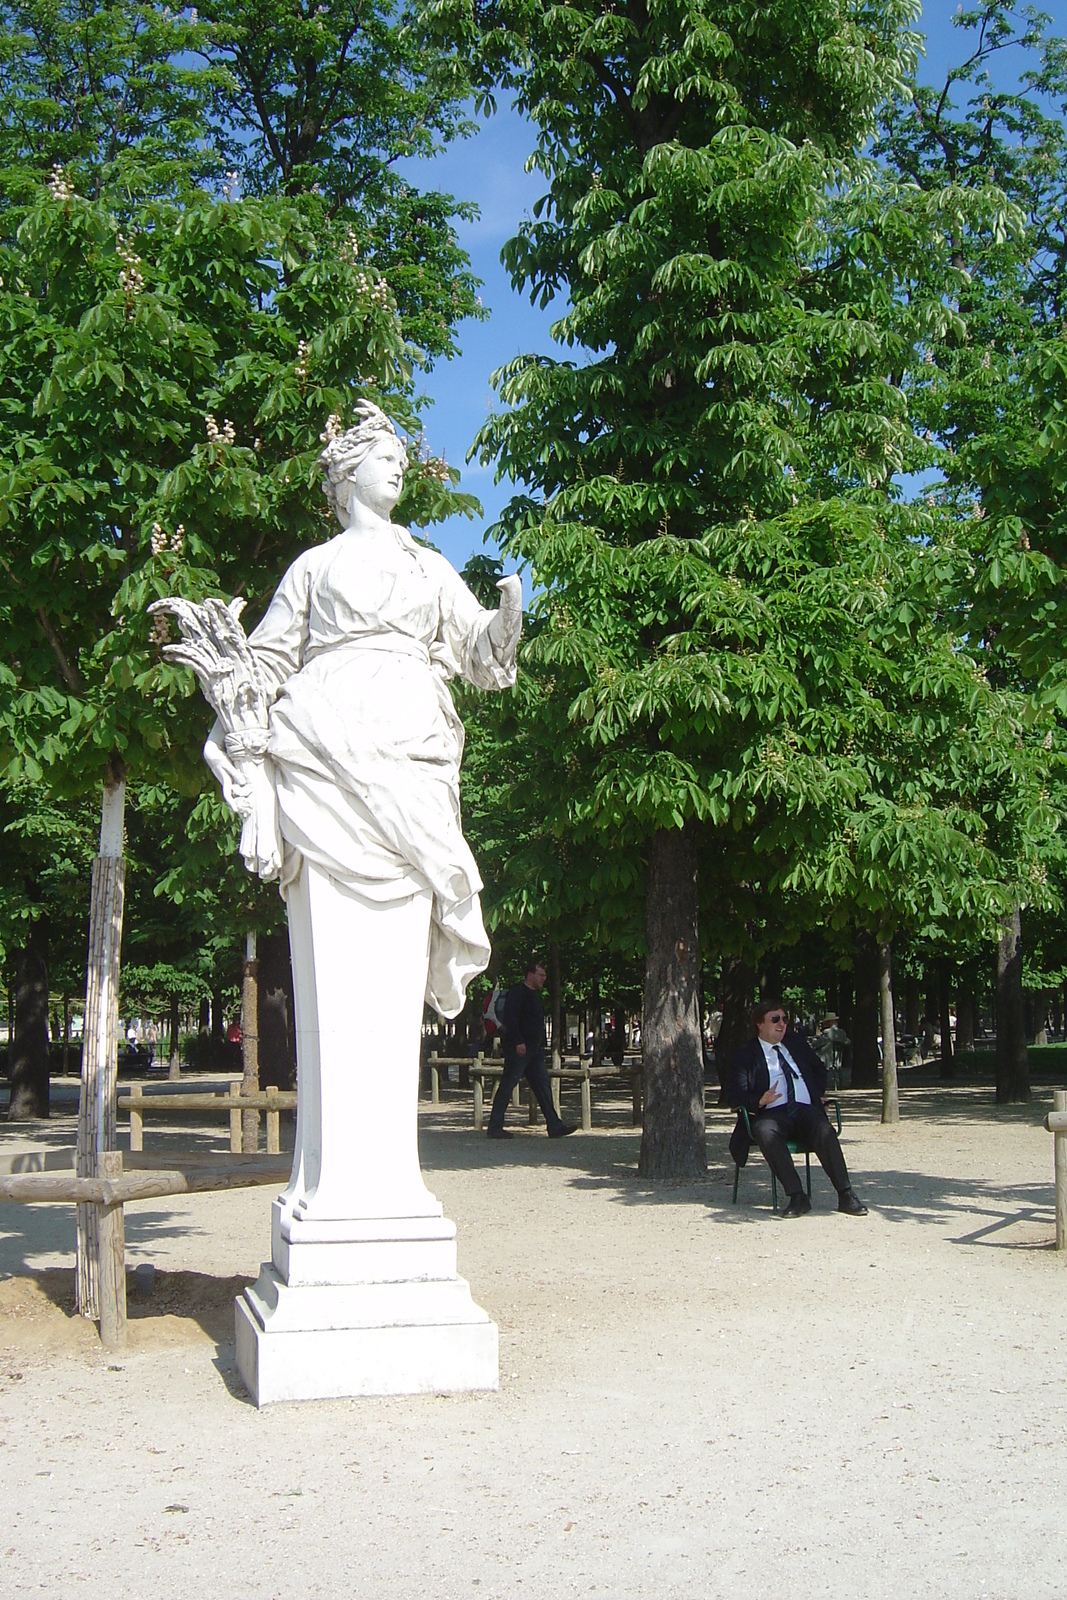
799,1206
498,1133
850,1205
562,1131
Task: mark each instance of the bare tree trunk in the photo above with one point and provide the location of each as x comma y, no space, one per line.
174,1065
66,1034
944,999
96,1103
846,1001
1013,1067
964,1019
865,1014
277,1026
672,1142
250,1045
738,982
912,1005
555,995
28,1057
598,1018
890,1095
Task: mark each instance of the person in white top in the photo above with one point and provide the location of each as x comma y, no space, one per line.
780,1081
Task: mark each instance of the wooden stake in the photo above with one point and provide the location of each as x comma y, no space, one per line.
890,1093
111,1232
96,1106
1060,1102
250,1045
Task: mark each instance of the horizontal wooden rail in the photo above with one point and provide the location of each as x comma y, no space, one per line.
61,1188
284,1100
272,1101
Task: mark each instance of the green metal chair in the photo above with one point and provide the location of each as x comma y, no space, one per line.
794,1146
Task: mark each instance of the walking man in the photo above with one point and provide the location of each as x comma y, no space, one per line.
524,1052
780,1081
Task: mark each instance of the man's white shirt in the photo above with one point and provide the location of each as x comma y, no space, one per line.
774,1067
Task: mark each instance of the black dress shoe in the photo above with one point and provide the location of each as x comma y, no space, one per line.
562,1131
850,1205
498,1133
799,1206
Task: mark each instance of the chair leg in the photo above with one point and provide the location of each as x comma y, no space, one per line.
807,1170
774,1192
737,1180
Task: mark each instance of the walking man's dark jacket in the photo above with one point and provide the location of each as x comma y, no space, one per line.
524,1021
748,1080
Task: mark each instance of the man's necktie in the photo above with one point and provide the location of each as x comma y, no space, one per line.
790,1092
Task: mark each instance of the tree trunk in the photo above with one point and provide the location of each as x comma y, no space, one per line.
28,1060
846,1001
277,1026
738,982
912,1005
203,1025
964,1019
865,1014
944,1004
672,1143
66,1034
96,1102
555,995
174,1066
890,1096
597,1016
769,975
1013,1067
250,1045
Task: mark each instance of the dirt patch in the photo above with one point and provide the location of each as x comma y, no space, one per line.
38,1316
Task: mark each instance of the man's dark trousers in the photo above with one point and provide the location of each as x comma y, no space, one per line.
773,1127
533,1065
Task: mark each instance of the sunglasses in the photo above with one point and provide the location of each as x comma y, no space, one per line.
777,1016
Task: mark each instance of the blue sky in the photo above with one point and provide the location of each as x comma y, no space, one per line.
490,170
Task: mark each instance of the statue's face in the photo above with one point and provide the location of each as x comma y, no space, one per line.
379,477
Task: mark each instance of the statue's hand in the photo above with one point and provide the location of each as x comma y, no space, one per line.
506,624
236,790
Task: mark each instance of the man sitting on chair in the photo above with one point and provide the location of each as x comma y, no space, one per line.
780,1081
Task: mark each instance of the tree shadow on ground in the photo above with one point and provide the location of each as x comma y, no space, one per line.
606,1162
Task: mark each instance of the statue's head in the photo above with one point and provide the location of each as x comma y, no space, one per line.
365,463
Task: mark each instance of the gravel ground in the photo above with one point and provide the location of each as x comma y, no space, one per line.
695,1401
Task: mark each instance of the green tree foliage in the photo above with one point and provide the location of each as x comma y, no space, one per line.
111,93
165,389
740,649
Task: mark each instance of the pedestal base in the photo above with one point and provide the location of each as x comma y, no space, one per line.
367,1311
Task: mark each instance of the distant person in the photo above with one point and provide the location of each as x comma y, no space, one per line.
524,1052
780,1081
233,1032
832,1046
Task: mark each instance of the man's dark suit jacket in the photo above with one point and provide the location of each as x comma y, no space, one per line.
524,1022
749,1079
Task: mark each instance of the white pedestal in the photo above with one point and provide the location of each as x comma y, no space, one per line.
361,1296
360,1309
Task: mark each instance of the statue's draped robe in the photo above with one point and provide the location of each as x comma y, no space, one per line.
358,646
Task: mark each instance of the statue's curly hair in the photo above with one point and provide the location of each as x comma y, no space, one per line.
345,451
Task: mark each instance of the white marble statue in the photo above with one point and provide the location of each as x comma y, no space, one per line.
338,744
